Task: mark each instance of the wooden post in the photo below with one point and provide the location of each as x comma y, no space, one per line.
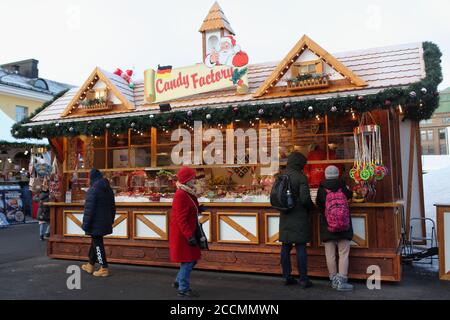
420,177
410,178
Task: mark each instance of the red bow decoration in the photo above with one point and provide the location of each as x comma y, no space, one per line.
125,75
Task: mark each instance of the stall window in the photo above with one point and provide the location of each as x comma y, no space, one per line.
307,67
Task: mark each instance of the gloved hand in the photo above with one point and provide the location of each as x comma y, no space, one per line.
192,241
201,208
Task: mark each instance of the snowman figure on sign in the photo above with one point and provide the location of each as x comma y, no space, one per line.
227,54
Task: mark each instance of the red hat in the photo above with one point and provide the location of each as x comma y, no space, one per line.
186,174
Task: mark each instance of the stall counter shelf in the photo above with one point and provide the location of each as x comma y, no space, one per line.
242,237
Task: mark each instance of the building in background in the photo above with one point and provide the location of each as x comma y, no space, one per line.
435,131
22,91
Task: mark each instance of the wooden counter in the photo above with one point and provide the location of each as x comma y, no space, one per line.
243,237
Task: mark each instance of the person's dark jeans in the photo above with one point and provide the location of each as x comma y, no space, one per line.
184,275
97,252
302,261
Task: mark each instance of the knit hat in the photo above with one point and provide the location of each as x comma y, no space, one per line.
331,172
186,174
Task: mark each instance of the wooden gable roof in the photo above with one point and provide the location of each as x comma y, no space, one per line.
306,43
116,84
216,20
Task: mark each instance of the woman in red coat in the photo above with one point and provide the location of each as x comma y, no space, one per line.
183,245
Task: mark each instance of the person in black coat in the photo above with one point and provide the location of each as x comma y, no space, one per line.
295,225
98,218
43,214
335,240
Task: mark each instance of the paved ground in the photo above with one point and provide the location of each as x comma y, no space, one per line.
26,273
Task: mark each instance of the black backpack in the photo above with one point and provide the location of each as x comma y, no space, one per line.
281,197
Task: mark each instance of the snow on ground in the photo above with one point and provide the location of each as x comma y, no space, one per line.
436,183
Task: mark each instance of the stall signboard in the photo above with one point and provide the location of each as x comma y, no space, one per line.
225,67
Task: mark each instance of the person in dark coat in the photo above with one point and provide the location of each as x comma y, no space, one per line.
43,214
295,225
183,245
334,240
98,218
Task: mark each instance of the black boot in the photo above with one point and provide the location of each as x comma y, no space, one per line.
41,237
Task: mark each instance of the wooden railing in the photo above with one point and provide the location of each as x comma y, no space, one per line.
312,83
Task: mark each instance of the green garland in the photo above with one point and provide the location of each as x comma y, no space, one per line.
418,101
20,145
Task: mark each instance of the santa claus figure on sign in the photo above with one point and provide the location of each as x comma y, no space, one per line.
229,54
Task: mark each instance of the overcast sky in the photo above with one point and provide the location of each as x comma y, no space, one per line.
70,38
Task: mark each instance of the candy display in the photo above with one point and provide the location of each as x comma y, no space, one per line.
368,167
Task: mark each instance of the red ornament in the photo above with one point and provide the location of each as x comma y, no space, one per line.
235,109
240,82
240,59
387,103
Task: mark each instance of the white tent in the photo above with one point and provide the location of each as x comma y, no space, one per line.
6,124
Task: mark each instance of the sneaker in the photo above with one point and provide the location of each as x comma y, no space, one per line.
305,284
342,284
47,236
188,293
89,268
175,285
289,281
102,272
334,282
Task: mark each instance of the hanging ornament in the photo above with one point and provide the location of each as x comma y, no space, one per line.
261,111
108,125
71,129
16,133
126,75
133,124
368,167
57,124
208,116
412,94
387,103
424,90
333,109
235,109
360,98
189,113
89,122
151,116
310,109
169,121
287,105
30,129
42,131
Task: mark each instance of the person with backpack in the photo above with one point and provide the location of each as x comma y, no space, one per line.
336,229
290,194
98,218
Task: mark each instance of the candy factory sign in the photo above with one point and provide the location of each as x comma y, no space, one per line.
224,67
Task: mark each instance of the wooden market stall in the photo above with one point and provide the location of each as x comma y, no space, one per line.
314,100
